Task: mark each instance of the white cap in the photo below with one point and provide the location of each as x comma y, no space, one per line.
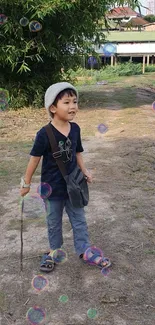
54,90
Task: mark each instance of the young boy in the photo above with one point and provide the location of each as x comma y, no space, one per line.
61,101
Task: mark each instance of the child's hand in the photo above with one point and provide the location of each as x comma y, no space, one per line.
89,176
24,191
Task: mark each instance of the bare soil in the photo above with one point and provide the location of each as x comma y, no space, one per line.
120,215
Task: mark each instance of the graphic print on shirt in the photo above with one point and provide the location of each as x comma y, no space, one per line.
66,150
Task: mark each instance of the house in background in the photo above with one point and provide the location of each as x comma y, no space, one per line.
134,45
137,23
126,18
122,13
150,27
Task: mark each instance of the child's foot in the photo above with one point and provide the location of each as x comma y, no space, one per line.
47,264
96,260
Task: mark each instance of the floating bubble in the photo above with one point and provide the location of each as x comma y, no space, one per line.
59,256
109,49
3,19
35,315
63,299
153,105
92,61
92,313
33,206
44,190
39,282
3,105
105,271
4,94
24,21
102,128
35,26
93,250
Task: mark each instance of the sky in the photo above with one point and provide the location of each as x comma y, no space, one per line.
143,2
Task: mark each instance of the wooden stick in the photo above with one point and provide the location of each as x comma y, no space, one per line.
21,235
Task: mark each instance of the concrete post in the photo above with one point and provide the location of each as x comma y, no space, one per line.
148,60
112,61
143,64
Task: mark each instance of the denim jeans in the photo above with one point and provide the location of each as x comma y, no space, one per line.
54,210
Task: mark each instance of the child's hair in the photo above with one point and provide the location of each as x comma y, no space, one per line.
68,91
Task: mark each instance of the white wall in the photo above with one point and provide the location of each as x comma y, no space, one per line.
136,48
130,48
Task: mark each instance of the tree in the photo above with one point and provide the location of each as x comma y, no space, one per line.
150,18
30,61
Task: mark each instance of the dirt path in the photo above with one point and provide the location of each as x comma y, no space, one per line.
120,218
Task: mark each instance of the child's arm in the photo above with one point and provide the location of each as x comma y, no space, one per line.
80,163
31,167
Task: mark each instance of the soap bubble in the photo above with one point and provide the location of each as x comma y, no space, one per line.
92,61
63,299
153,105
24,21
102,128
59,256
35,26
105,271
92,313
3,105
39,282
4,98
35,315
91,251
109,49
4,94
44,190
34,206
3,19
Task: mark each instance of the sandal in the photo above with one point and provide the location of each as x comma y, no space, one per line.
46,264
103,262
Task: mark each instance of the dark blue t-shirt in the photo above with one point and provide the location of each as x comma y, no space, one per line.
68,146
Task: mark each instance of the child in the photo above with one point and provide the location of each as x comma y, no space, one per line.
61,101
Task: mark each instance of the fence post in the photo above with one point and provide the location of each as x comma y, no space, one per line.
148,60
112,61
143,64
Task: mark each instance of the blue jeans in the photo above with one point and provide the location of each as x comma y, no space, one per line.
54,210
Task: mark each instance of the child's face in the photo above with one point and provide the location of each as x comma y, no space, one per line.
66,108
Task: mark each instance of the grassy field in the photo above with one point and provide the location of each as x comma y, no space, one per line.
110,75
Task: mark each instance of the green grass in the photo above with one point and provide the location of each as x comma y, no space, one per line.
150,251
128,36
110,74
3,172
2,300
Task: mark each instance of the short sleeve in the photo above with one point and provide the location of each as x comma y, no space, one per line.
39,146
79,147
